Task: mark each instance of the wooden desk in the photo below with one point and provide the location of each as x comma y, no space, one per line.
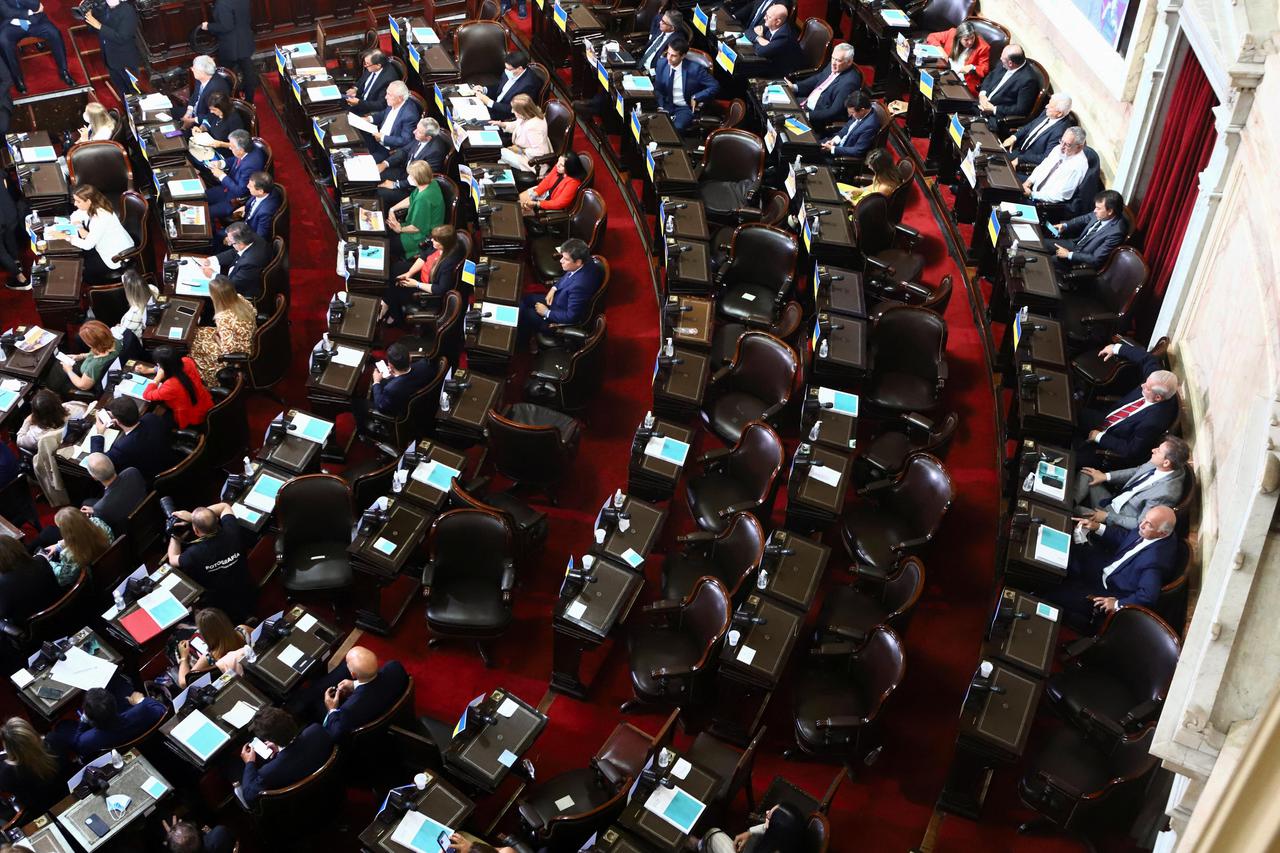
425,495
29,365
490,347
1030,453
846,360
1027,643
811,503
177,325
50,708
254,519
678,388
43,836
820,186
129,781
61,283
688,264
794,578
695,324
1021,565
12,398
184,172
381,557
682,219
502,231
308,634
185,590
652,477
332,390
837,430
1044,345
292,453
484,758
842,294
371,272
359,323
504,283
751,670
185,236
439,801
632,547
698,783
462,423
584,618
1049,413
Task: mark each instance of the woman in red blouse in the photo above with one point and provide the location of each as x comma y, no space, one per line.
558,189
966,51
178,386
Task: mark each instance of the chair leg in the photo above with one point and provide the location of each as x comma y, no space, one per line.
484,654
433,642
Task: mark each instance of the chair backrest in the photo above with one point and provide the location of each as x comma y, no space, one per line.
184,474
940,298
756,459
449,193
228,424
448,329
420,412
647,11
103,164
522,452
922,494
275,276
817,834
268,162
360,738
872,227
739,548
589,169
880,665
597,298
735,114
765,367
586,369
108,303
59,619
995,35
490,10
901,592
248,115
369,484
815,42
705,615
733,155
231,77
1121,279
133,216
762,253
313,508
909,339
905,189
285,805
470,543
589,219
114,563
540,71
939,15
1139,649
143,528
1042,96
272,350
480,48
561,124
280,221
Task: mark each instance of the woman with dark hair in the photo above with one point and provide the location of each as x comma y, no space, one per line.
26,584
99,234
884,177
558,189
178,385
33,773
48,413
222,120
967,53
431,272
781,832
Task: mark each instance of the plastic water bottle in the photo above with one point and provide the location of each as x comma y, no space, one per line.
823,349
445,402
669,348
599,535
248,467
649,420
813,432
671,224
328,344
762,579
618,499
118,600
173,229
117,760
1029,483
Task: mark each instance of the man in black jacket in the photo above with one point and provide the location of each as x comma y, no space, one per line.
1132,428
369,94
823,94
357,691
233,27
244,263
1037,138
1088,239
428,144
143,442
27,19
121,492
118,33
294,755
389,392
208,82
1009,90
518,80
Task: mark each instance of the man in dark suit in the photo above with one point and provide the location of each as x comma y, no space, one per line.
776,44
823,94
143,442
665,28
389,392
294,755
1088,239
680,85
244,263
858,134
26,584
183,836
121,492
369,94
1133,427
260,207
394,123
1121,497
103,726
247,159
519,80
1037,138
204,71
357,692
118,34
233,26
750,13
1009,89
570,299
428,144
1118,567
27,19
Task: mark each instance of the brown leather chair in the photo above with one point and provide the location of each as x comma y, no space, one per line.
248,115
1082,784
1091,316
468,578
566,378
815,47
755,386
490,10
528,525
480,48
906,515
908,349
101,164
878,241
724,344
268,358
838,701
371,479
268,164
731,556
935,299
60,619
449,193
852,611
112,565
1008,124
133,215
281,812
759,274
995,35
281,220
1115,375
188,476
742,478
910,433
314,518
732,766
1117,681
774,207
817,834
368,751
722,117
228,422
419,416
424,308
275,278
586,222
143,528
554,334
443,337
532,444
672,653
730,176
540,71
562,124
108,303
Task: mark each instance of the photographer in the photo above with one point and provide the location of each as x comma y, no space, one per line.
208,545
118,32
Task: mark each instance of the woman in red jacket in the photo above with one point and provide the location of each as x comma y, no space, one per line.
967,51
558,189
178,386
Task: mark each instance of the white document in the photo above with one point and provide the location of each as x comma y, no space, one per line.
155,101
1025,233
306,622
23,677
508,708
576,608
824,474
746,655
240,715
347,357
83,670
469,109
361,123
169,581
564,803
362,168
681,769
200,734
14,385
109,438
420,833
291,655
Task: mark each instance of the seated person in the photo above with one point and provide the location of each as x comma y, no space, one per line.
884,176
1087,240
183,836
518,80
178,385
216,559
1010,89
122,492
967,53
1120,498
207,81
434,272
244,263
569,299
78,540
227,646
647,53
528,131
558,190
1119,567
369,93
98,123
782,830
138,294
86,369
234,322
26,585
357,691
1058,175
858,134
395,122
143,442
423,211
222,121
428,144
27,19
1036,139
259,208
48,413
459,843
776,43
823,94
99,235
751,13
104,725
248,158
294,755
33,772
680,86
389,392
1133,427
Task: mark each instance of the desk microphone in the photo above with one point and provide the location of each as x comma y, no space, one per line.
987,687
1033,379
680,249
486,717
484,210
742,619
820,211
680,206
807,170
668,360
1025,519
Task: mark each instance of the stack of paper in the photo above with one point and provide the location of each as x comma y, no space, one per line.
362,168
200,735
82,670
1053,546
312,429
262,496
435,474
667,449
469,109
186,188
500,315
155,101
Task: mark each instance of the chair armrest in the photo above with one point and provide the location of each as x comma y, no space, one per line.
748,214
279,549
9,629
879,265
740,506
1140,713
844,633
477,485
915,420
1103,728
720,374
662,608
508,581
696,536
381,417
236,359
770,413
844,721
1080,273
714,455
911,235
1058,785
908,544
662,673
944,372
1079,647
1101,317
837,648
877,486
428,577
544,158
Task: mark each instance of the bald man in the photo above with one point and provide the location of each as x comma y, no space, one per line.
357,691
776,44
121,492
216,559
1138,421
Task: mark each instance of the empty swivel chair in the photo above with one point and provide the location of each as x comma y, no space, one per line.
532,444
755,386
905,515
838,700
851,612
908,351
724,345
228,424
729,180
528,525
672,652
729,556
468,578
910,433
567,378
742,478
586,222
314,517
480,48
1090,316
1117,680
759,274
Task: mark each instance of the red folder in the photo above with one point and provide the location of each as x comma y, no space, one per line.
140,625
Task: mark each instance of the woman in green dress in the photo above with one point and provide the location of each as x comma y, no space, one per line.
425,210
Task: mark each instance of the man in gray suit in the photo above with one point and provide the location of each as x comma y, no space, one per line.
1120,498
121,495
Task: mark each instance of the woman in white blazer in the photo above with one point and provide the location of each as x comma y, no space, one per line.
99,233
528,136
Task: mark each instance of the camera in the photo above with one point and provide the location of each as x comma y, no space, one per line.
97,7
173,526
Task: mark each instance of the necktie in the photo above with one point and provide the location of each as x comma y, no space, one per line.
248,207
1140,479
1046,178
1004,78
1090,230
1123,412
812,100
649,55
368,86
1036,133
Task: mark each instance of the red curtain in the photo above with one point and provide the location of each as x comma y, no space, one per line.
1185,145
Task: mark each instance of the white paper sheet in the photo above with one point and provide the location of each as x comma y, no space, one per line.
347,356
240,715
291,655
83,670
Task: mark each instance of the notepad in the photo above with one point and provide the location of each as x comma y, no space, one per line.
499,315
162,607
1025,233
240,714
306,622
186,188
23,677
507,758
371,258
425,35
667,449
895,18
312,429
675,807
1052,546
575,609
361,168
328,92
484,139
200,735
1020,212
825,474
290,655
1050,480
436,475
775,93
637,83
347,356
39,154
633,558
508,708
746,655
681,769
924,50
7,399
468,109
841,401
302,48
384,545
421,833
263,495
242,512
154,788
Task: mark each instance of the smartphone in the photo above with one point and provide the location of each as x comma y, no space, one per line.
171,134
186,310
261,748
97,824
49,693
